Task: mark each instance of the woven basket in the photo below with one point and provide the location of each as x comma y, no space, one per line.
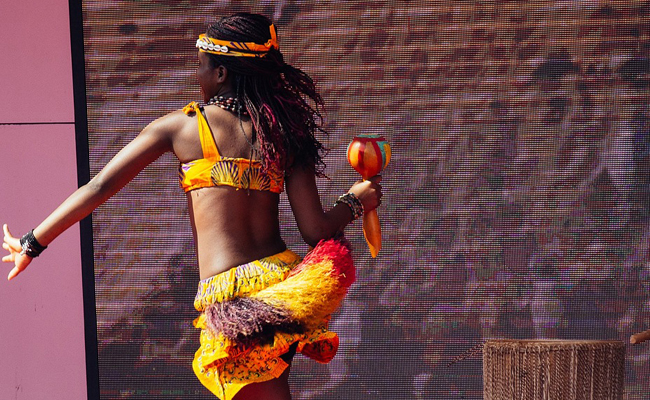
553,370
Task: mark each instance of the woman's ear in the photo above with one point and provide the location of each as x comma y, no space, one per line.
221,74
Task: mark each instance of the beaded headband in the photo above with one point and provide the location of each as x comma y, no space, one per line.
229,48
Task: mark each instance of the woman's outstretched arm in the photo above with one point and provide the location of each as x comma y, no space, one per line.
150,144
314,223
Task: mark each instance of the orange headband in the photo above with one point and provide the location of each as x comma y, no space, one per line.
228,48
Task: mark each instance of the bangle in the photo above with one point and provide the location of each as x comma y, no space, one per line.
30,245
352,201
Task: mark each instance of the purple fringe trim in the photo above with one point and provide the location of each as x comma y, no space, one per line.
244,321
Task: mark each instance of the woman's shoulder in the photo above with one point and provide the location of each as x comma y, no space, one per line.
181,129
182,115
174,128
173,122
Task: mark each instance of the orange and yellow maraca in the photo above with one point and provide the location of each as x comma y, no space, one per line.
369,154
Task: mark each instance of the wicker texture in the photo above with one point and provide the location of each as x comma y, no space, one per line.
553,370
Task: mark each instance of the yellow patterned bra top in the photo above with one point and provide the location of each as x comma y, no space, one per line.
215,170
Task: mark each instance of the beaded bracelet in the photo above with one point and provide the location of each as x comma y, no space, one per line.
30,245
353,202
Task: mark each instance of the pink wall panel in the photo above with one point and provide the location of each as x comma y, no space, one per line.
42,334
36,66
42,352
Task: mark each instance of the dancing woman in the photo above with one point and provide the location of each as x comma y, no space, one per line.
253,137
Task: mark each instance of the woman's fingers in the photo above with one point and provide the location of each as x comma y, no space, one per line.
376,186
9,257
368,192
5,229
20,263
12,245
13,242
12,274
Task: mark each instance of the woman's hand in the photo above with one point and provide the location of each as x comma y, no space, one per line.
368,192
12,245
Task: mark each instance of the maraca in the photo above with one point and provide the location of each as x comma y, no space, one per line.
369,155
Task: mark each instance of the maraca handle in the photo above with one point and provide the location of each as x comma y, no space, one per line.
372,232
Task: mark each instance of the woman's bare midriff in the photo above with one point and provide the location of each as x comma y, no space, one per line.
233,226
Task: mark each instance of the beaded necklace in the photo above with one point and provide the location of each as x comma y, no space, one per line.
232,104
228,103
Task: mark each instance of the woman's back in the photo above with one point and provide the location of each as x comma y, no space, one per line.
231,225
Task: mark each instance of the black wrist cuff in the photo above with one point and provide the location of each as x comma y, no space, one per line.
30,245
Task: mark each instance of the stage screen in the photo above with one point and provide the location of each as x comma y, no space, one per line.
516,203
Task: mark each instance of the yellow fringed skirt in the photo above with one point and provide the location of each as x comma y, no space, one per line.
252,314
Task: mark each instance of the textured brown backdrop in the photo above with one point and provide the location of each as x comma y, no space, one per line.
516,203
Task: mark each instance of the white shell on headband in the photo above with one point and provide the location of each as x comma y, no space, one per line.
201,44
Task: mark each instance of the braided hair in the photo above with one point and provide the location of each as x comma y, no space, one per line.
282,100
